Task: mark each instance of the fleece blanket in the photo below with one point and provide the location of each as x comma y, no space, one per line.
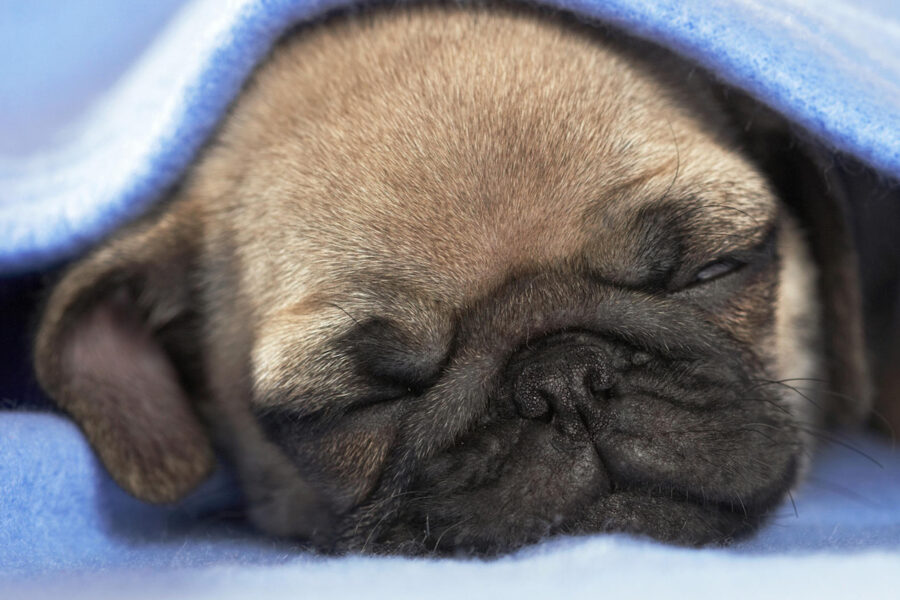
830,66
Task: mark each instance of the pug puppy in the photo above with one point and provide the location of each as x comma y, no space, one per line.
458,279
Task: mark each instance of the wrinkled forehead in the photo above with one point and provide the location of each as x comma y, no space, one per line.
456,151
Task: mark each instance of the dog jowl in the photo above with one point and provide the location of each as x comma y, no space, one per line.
460,279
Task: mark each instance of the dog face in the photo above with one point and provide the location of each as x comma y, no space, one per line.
456,279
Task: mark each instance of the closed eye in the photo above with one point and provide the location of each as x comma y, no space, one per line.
716,269
391,358
761,254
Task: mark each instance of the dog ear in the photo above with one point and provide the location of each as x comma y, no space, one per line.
106,351
807,179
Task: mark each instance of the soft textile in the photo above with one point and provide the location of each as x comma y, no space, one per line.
832,66
65,529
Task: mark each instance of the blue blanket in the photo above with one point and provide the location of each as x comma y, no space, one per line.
832,68
63,521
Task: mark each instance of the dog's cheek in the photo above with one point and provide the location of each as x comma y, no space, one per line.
345,459
751,314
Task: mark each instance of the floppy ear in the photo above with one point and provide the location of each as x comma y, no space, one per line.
809,182
105,352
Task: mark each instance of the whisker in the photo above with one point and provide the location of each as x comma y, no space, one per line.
456,525
341,308
793,504
738,210
828,393
842,491
887,424
875,413
820,434
665,194
793,389
375,528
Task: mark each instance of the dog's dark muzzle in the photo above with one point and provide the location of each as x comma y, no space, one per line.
562,376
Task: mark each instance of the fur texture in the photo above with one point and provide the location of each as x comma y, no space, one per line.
459,279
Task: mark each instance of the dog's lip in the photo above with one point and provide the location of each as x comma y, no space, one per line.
621,507
759,493
624,512
758,503
620,511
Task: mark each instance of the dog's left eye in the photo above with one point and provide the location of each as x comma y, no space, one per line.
716,269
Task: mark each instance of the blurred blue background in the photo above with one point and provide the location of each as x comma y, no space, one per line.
57,56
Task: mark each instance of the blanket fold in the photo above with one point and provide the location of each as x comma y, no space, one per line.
832,67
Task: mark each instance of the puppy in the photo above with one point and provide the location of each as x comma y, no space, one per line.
458,279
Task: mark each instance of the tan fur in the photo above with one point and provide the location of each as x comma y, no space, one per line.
405,165
359,198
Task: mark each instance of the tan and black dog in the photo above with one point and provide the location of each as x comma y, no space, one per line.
459,278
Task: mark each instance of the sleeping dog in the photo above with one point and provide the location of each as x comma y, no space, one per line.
457,279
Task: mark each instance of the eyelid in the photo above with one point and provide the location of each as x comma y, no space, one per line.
716,269
389,356
728,264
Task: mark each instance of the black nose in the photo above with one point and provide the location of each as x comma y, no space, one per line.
561,376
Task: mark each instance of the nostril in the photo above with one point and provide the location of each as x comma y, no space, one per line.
545,413
598,383
532,399
561,381
533,405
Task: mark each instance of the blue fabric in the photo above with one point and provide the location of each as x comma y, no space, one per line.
60,516
832,67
